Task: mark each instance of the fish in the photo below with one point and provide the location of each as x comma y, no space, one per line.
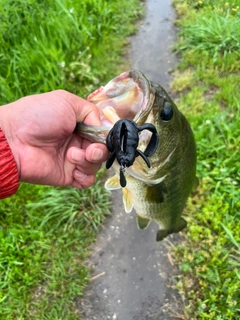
159,192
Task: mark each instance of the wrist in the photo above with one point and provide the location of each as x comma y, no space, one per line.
10,131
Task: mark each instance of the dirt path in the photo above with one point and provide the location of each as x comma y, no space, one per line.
150,49
135,271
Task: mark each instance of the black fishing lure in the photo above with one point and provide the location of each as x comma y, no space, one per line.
122,142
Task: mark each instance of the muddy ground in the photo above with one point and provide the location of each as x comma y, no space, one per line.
133,272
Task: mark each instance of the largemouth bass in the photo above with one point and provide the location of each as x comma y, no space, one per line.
160,192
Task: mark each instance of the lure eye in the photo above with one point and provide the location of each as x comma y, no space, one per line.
167,112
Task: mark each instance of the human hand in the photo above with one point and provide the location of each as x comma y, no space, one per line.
39,130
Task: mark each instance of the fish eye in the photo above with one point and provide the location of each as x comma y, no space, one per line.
167,112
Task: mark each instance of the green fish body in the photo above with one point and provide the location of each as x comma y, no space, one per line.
160,192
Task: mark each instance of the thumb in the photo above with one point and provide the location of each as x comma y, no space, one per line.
85,111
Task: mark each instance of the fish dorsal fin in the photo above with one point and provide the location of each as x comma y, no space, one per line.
142,222
112,183
127,200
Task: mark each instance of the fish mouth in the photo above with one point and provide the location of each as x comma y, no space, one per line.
127,96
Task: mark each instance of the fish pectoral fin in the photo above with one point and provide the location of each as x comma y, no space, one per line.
112,183
142,222
127,200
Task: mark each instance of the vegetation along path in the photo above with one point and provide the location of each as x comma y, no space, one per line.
133,272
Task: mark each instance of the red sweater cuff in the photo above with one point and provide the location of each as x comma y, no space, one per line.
9,180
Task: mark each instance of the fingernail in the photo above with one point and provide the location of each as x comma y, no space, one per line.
78,155
97,154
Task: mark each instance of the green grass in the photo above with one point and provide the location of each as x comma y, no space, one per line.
209,94
215,30
44,240
45,232
61,44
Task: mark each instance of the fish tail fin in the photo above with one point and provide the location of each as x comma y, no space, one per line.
180,225
163,233
195,183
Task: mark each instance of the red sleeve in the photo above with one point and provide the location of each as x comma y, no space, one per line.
9,180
